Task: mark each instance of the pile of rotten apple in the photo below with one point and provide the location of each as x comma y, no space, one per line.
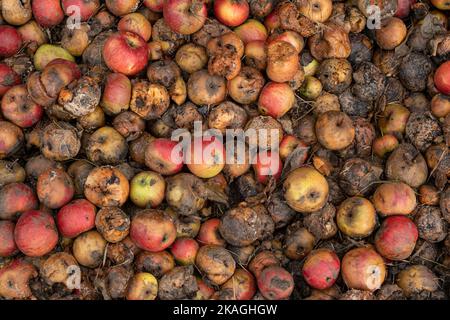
93,206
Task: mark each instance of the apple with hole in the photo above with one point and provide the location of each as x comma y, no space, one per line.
363,269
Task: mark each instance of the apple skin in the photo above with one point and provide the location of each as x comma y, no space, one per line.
147,189
75,218
251,30
185,16
35,233
442,78
8,246
16,198
404,8
11,41
87,7
321,268
268,165
396,238
8,78
441,4
18,108
206,158
154,5
158,156
276,99
363,269
184,250
209,233
48,13
125,52
231,13
152,230
275,283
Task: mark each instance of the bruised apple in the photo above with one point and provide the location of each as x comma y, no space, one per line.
395,198
305,190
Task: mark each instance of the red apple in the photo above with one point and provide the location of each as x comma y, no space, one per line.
291,37
206,159
16,198
136,23
251,30
152,230
231,13
321,268
19,108
363,269
87,7
242,285
121,7
7,244
11,41
35,233
117,94
184,250
396,238
209,233
268,165
185,16
8,78
403,8
125,52
272,21
275,283
442,78
55,188
160,158
276,99
48,13
75,218
154,5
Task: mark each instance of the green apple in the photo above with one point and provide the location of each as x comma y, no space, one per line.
147,189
